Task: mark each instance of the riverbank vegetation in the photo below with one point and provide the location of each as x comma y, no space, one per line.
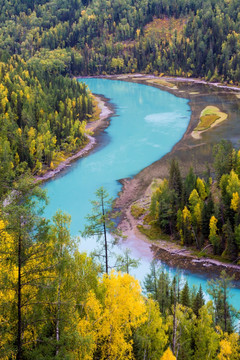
201,213
42,119
56,304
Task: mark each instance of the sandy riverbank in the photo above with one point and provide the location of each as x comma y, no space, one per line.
92,127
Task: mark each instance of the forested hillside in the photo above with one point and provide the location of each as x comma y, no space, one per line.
199,212
111,37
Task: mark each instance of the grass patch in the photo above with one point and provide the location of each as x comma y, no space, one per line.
137,211
162,82
152,233
209,117
206,121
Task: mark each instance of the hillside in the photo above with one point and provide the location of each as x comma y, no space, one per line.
189,38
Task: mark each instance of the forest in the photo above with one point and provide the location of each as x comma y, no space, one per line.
59,303
56,303
201,212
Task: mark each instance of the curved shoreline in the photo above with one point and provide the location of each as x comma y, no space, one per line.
106,112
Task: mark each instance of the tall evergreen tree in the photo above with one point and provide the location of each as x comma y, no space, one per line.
101,224
175,179
198,301
224,312
189,184
185,295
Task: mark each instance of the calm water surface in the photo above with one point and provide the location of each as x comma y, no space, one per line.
148,123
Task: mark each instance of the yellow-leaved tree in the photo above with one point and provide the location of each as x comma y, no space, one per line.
229,347
168,355
8,275
110,320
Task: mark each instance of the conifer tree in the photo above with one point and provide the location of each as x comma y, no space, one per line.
224,312
189,184
100,223
207,212
175,180
198,301
185,295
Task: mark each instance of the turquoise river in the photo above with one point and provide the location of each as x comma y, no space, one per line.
148,122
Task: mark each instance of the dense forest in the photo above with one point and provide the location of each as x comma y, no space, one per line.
184,37
41,118
55,302
202,212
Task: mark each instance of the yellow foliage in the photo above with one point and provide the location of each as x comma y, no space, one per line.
213,225
111,322
10,271
213,237
91,17
186,215
225,350
168,355
3,96
201,188
229,347
31,133
198,213
194,198
235,202
17,159
233,183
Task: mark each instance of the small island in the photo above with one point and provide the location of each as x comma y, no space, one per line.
209,117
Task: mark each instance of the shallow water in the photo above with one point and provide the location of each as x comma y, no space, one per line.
148,123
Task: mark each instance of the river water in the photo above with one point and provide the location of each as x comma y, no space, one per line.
147,124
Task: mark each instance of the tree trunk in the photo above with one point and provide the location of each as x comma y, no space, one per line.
19,303
174,327
225,308
58,317
105,237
